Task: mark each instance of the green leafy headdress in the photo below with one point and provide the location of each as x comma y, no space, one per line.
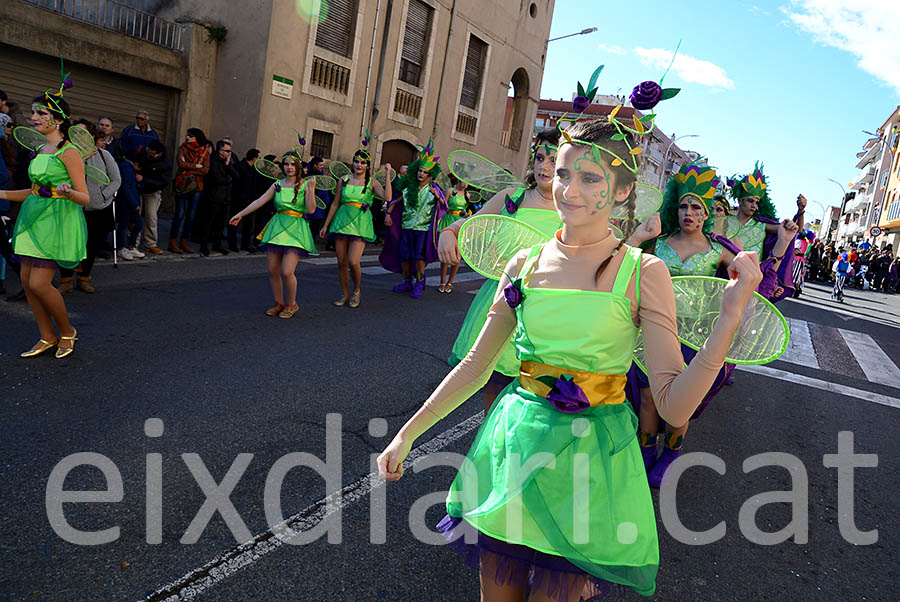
692,180
754,185
427,161
363,150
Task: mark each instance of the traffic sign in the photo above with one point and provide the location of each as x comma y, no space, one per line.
875,231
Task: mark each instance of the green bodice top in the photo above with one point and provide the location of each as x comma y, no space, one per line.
419,217
590,331
353,193
456,202
698,264
284,199
48,169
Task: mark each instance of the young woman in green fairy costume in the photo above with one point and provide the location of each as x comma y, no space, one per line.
457,203
554,485
535,207
50,230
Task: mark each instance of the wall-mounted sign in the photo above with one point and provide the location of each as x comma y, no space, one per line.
282,87
875,231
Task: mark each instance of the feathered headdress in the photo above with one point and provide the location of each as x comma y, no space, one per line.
301,144
427,160
692,180
754,185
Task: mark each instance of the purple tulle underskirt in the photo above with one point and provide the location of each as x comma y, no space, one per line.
34,262
283,250
514,564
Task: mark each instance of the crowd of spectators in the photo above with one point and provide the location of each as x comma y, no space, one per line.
870,269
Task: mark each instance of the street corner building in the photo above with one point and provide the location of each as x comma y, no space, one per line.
262,71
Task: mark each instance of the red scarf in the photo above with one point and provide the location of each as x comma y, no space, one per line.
193,153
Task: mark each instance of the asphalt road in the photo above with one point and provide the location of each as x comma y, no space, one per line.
185,341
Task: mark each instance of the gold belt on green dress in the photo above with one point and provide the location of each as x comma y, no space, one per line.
459,213
352,204
35,189
291,212
600,389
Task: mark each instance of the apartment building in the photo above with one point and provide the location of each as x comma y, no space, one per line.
405,70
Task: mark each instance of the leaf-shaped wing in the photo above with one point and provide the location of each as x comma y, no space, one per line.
489,242
338,169
29,138
268,169
478,172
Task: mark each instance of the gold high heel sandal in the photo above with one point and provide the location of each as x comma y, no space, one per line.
60,352
45,346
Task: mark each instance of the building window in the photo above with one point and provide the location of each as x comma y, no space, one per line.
415,43
321,144
335,33
473,74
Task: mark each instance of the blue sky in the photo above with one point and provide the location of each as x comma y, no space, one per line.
791,83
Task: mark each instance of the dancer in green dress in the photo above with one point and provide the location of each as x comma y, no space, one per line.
287,237
50,230
349,221
457,203
532,205
553,485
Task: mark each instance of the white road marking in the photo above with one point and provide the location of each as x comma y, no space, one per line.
200,579
823,385
874,362
800,349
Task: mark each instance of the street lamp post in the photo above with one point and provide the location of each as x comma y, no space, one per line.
577,33
662,176
843,197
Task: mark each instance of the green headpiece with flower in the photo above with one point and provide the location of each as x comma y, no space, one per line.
363,150
52,97
697,182
427,161
754,185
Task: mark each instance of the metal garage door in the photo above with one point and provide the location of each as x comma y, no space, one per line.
25,74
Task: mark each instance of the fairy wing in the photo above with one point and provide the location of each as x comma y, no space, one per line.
29,138
269,169
338,169
324,182
762,336
647,202
381,176
443,181
476,171
763,333
82,140
474,197
489,242
727,225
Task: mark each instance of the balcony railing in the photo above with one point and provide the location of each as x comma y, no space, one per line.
119,18
466,124
330,76
894,211
407,103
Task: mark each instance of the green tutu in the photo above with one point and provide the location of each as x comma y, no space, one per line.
51,228
608,530
353,221
288,231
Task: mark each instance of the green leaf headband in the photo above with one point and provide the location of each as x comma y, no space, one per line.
53,98
753,184
644,96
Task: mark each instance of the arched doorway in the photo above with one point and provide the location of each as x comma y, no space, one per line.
517,103
398,152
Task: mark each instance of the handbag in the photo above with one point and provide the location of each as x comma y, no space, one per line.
186,184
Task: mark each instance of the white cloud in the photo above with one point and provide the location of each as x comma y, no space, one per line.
612,49
869,30
690,69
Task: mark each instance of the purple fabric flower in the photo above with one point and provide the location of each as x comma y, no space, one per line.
277,187
513,294
67,83
511,206
32,154
567,397
581,103
45,191
364,207
646,95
